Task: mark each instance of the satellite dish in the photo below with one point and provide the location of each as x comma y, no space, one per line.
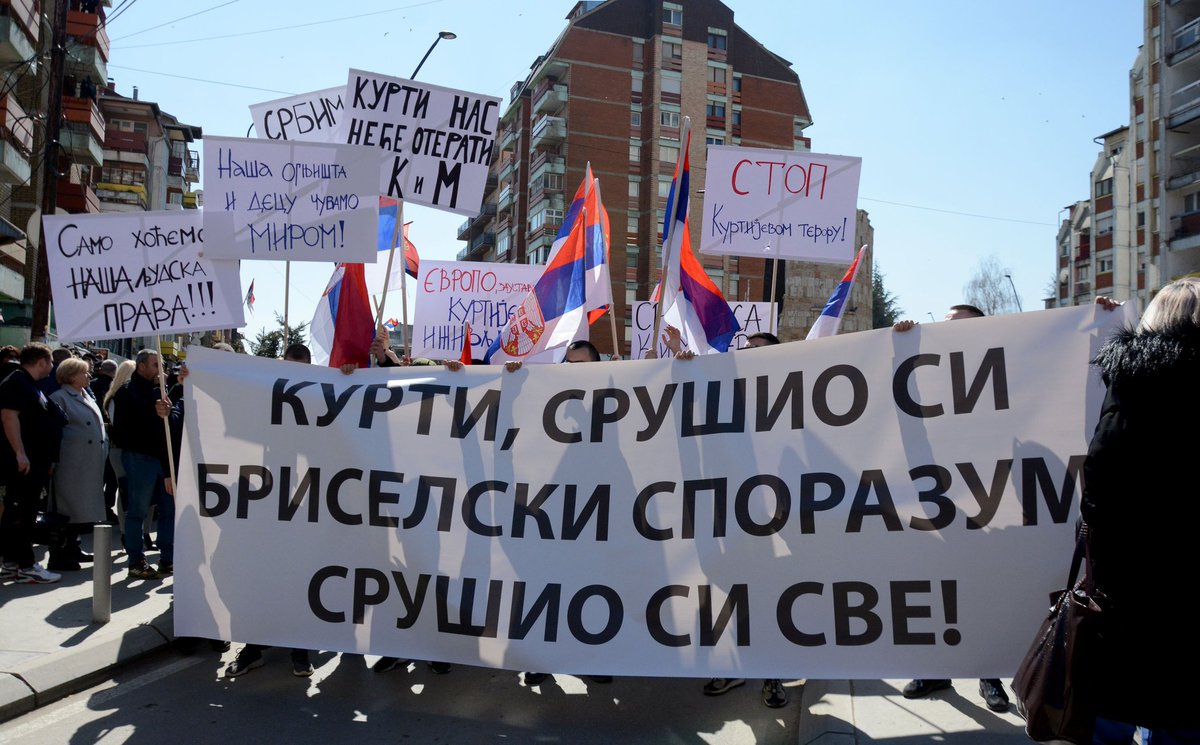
33,229
1063,275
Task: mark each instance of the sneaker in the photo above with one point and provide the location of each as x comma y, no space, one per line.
8,571
388,664
993,694
718,686
244,663
440,668
301,668
532,679
36,575
774,695
142,570
920,688
165,568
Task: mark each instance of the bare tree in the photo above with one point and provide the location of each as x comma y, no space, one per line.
989,288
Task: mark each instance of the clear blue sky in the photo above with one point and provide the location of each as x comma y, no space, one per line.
975,121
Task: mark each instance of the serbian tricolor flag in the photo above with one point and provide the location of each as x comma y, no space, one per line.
691,301
831,316
465,357
250,297
389,211
343,328
573,289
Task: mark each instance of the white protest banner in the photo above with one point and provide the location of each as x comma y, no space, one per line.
439,142
310,117
752,318
137,274
793,205
452,294
835,509
290,201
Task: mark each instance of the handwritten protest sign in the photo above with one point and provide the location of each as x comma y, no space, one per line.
290,201
137,273
452,294
751,317
833,509
439,141
311,117
780,203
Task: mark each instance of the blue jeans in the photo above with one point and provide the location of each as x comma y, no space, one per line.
145,476
1110,732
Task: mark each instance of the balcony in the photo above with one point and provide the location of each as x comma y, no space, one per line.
86,61
76,198
19,30
130,142
1185,105
14,124
191,167
548,129
14,164
192,200
541,166
472,223
1185,232
504,199
1185,172
84,112
175,167
477,247
508,140
552,100
83,146
87,29
130,195
1185,42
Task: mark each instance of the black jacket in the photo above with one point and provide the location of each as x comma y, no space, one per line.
1141,500
137,426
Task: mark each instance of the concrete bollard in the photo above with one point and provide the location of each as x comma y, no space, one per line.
101,573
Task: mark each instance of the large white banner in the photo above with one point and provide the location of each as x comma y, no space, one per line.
454,294
137,274
872,505
751,317
438,141
783,203
277,200
312,117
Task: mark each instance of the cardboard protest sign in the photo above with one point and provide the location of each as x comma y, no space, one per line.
137,274
833,509
752,318
438,141
783,203
290,201
453,294
310,117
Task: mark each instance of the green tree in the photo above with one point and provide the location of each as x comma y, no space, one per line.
884,309
270,343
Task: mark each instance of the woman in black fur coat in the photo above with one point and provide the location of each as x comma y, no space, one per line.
1141,501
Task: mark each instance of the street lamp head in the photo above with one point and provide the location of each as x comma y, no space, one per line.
447,35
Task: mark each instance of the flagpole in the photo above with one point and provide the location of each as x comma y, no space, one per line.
387,277
612,304
669,219
162,387
403,289
287,286
774,289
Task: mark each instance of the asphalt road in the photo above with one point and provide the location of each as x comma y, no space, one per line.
169,699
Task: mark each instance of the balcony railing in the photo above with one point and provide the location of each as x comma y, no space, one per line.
76,198
27,16
548,129
85,112
131,142
1186,36
15,124
87,29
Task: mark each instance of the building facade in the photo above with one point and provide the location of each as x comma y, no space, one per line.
613,91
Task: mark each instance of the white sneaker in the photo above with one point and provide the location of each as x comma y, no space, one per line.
8,571
37,575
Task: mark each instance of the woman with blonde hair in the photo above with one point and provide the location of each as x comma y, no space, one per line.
77,483
1141,503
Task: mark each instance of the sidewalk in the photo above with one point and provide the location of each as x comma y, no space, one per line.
49,647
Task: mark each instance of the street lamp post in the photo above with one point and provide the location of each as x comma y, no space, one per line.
1015,295
441,35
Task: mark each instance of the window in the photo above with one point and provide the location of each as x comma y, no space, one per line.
635,152
631,225
672,51
631,257
670,86
716,41
635,189
716,75
668,118
1191,202
673,14
668,154
502,245
737,83
715,109
1104,265
1104,187
637,88
639,50
714,140
1104,225
664,186
798,128
737,117
547,218
552,181
1141,219
1083,273
635,118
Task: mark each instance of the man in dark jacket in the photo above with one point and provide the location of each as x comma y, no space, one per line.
138,413
32,432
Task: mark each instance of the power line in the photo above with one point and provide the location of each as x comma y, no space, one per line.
963,214
200,80
274,29
176,20
124,6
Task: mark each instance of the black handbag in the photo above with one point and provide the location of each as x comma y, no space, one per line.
1054,684
50,525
